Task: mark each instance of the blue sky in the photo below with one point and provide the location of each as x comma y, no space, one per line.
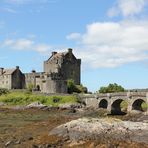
110,36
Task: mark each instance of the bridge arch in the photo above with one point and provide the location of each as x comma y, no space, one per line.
103,103
116,108
137,104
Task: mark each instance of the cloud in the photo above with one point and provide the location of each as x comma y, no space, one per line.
43,48
26,44
15,6
127,7
20,44
112,44
73,36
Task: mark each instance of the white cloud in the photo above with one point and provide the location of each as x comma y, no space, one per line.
73,36
127,7
20,44
111,44
26,44
42,48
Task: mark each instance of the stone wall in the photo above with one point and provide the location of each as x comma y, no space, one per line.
5,81
52,86
12,79
18,80
113,100
65,64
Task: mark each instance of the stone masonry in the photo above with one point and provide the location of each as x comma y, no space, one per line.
57,70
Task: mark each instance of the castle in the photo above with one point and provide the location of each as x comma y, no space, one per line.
57,70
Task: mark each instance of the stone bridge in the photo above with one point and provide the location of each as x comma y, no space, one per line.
112,101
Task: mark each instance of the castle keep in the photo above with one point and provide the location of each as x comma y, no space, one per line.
57,70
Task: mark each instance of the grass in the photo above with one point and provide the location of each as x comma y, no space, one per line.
144,106
24,98
124,105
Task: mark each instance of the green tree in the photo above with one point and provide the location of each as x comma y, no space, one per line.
75,88
81,88
71,86
111,88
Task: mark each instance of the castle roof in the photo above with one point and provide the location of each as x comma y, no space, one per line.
58,55
8,71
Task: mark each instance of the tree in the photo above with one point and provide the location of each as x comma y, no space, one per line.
71,86
111,88
75,88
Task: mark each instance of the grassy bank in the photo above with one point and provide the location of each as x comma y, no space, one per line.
25,98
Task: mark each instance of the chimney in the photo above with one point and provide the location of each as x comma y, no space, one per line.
69,50
1,71
17,67
54,52
33,71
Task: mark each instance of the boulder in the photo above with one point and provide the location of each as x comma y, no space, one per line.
70,105
94,128
36,105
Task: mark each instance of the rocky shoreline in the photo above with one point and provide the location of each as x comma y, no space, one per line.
107,128
71,125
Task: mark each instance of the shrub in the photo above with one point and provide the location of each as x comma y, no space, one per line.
111,88
30,87
75,88
3,91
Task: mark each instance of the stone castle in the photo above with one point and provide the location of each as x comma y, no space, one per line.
57,70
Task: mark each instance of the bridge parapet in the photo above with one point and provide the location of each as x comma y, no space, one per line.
138,94
87,95
109,95
123,94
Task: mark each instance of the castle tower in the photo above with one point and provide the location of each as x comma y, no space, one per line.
65,64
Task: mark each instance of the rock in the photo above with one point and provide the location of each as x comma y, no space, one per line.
34,146
18,107
36,105
136,112
2,103
18,142
93,128
70,105
30,138
8,143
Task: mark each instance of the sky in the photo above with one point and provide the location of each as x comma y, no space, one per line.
110,37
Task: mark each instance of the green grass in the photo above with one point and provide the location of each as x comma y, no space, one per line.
24,98
124,105
144,106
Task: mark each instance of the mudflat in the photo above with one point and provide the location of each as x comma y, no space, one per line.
30,128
